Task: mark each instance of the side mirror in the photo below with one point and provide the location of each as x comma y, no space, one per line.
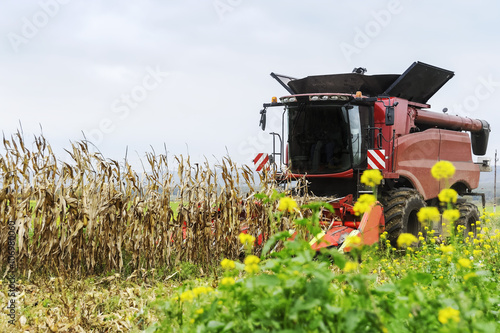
262,122
389,114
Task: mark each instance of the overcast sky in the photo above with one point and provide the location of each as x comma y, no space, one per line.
192,75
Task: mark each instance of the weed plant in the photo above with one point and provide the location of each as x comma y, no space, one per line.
428,283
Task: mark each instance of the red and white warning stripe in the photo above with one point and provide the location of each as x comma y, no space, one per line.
261,160
376,159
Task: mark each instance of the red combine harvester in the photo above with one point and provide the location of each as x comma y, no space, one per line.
336,126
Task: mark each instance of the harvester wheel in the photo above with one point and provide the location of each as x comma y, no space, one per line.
469,214
400,209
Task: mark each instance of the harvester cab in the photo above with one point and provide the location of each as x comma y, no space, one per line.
336,126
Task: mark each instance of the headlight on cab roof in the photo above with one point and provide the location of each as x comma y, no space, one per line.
327,97
288,99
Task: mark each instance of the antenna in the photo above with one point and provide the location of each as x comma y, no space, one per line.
495,186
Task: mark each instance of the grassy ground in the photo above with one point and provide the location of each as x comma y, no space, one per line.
100,304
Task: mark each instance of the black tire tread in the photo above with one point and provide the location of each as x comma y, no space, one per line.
396,203
469,213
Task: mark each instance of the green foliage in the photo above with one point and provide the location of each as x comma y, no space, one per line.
299,290
187,270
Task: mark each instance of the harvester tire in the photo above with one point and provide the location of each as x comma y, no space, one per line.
400,210
469,214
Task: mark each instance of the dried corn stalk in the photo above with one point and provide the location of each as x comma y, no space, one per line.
94,215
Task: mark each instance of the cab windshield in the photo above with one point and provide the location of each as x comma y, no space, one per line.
325,139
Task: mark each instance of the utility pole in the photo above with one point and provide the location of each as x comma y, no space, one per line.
495,185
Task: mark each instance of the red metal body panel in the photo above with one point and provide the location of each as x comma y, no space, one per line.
416,153
372,224
402,125
344,212
333,237
379,121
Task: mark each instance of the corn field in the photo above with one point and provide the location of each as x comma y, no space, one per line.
94,215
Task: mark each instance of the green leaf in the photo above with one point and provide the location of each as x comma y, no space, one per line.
302,222
332,309
338,258
276,195
261,196
483,273
386,288
284,235
353,318
315,230
239,266
229,326
263,280
485,327
423,278
214,324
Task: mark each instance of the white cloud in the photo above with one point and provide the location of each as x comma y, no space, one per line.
67,77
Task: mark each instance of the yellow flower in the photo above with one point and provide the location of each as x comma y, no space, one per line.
252,269
201,290
350,266
251,264
287,203
446,248
364,201
406,240
426,214
246,239
464,262
352,240
447,314
251,259
188,296
227,281
442,169
199,311
451,215
448,195
198,290
371,177
228,264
